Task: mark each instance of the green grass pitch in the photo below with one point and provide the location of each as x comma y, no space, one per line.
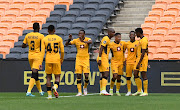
18,101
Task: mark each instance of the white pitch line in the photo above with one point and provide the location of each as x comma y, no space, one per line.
76,96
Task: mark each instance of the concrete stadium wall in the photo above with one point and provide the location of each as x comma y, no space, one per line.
164,77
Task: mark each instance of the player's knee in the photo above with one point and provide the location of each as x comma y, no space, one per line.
113,80
104,77
136,76
119,80
78,81
128,78
35,76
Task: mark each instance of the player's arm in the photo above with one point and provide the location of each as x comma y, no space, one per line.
42,50
62,51
100,54
69,40
24,45
124,50
87,42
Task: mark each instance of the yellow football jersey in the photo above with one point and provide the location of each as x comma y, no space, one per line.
132,51
106,43
82,48
52,44
143,44
33,40
117,51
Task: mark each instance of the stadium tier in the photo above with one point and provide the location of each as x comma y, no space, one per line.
18,16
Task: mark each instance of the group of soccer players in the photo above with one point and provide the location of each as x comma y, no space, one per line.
136,61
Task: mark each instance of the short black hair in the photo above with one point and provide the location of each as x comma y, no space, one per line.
36,26
117,34
82,30
139,30
131,31
51,28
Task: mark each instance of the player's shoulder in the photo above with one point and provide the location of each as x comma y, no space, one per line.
145,39
106,38
87,38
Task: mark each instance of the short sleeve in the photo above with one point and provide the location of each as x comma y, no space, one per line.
25,40
73,42
88,39
144,43
104,42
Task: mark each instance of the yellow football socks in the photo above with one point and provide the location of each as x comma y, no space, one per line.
38,85
112,84
49,92
118,85
104,83
139,84
86,83
31,84
145,84
129,85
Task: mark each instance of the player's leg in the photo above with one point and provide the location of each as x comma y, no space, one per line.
138,83
86,83
112,83
145,83
129,69
100,81
104,82
48,85
79,84
118,85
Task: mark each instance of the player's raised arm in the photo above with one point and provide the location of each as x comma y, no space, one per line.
24,43
69,40
61,46
88,42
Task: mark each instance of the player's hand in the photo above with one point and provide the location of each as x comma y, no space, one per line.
99,62
81,39
61,61
124,63
40,67
138,65
70,36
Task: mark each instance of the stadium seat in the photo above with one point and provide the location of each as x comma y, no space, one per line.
21,38
173,7
153,20
163,26
24,20
148,26
176,26
174,32
5,26
76,7
150,56
153,44
155,39
83,19
19,26
92,32
159,7
167,44
166,2
24,56
79,26
1,56
44,32
27,31
53,20
151,51
16,50
98,20
5,2
9,20
45,26
46,7
82,2
173,56
16,7
29,26
102,13
7,44
57,13
91,7
176,51
168,20
163,51
18,44
171,38
172,14
52,2
12,13
40,20
10,38
42,13
72,13
177,20
95,1
68,19
97,26
31,7
73,31
175,2
147,33
4,50
114,2
177,44
3,32
15,32
157,14
107,7
160,57
61,32
21,2
65,2
87,13
27,13
26,50
60,7
36,2
13,56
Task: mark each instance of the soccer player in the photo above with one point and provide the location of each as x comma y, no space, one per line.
131,47
141,63
82,59
103,61
52,43
117,61
33,40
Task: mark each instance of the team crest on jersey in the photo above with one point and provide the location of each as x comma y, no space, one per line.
82,46
132,49
118,48
104,42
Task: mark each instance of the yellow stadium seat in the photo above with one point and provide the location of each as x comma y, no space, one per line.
176,51
155,38
166,2
163,51
42,13
160,57
31,7
40,20
167,44
173,7
157,14
5,26
15,32
3,32
10,38
173,56
153,20
27,13
159,7
175,2
36,2
47,7
53,2
64,2
12,13
161,33
23,20
163,26
16,7
21,2
19,26
172,14
148,26
168,20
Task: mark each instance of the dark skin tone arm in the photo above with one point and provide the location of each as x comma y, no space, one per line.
100,53
142,56
68,42
24,45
